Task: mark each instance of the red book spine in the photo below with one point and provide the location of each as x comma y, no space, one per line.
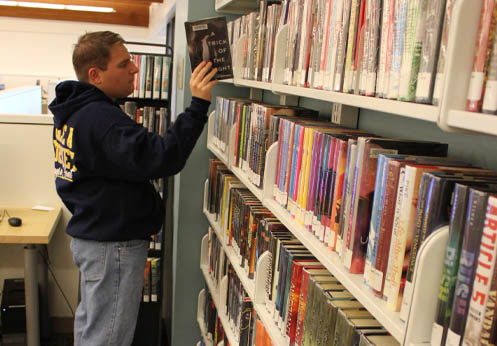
477,81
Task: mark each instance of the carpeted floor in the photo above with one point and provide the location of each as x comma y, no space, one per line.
55,340
59,340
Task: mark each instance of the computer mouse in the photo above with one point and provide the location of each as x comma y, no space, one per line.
15,221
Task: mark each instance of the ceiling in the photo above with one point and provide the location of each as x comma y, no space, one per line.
127,12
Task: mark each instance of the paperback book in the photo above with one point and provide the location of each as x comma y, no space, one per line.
207,40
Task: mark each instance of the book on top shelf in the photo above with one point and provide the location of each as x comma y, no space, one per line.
207,40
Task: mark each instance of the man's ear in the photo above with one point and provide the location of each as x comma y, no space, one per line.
94,75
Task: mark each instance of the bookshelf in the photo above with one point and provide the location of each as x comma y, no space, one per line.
449,116
149,328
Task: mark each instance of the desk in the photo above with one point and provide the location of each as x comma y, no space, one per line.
37,227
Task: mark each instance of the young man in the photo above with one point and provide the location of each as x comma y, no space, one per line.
103,164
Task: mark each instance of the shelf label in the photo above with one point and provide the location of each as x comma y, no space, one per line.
437,91
490,99
436,334
423,86
452,339
308,218
377,279
367,273
475,86
347,259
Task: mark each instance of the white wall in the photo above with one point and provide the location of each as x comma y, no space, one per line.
40,49
36,49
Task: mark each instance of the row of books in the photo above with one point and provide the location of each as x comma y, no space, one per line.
156,241
213,325
153,77
153,118
374,209
309,305
482,92
466,301
259,336
255,131
390,49
151,280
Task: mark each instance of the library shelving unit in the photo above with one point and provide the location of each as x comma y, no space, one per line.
149,327
236,6
450,116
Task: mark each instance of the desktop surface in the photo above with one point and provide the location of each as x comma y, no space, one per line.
37,226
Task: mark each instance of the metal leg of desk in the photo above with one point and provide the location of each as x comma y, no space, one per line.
31,293
43,293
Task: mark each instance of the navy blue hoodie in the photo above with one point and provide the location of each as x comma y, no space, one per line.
104,162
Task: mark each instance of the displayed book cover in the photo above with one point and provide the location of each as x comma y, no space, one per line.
207,40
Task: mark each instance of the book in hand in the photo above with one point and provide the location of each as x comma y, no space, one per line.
207,40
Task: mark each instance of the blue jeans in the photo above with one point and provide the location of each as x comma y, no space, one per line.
111,287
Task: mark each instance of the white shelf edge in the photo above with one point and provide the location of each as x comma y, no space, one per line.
269,324
408,109
218,154
352,282
240,82
248,184
227,81
200,318
220,309
478,122
235,6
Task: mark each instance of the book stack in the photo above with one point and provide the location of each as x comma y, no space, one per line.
153,77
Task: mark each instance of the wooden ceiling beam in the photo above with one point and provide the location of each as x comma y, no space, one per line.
131,14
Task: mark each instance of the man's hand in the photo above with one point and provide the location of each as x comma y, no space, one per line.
201,83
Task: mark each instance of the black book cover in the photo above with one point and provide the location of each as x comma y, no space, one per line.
473,229
207,40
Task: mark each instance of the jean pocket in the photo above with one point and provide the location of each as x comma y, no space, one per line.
89,256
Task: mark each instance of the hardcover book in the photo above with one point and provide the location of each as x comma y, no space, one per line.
207,40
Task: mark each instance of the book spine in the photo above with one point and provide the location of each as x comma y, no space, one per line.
326,48
375,18
336,20
347,193
397,251
351,45
477,81
375,218
451,265
392,189
339,65
157,77
444,40
334,224
426,75
489,105
382,58
473,231
483,274
489,324
149,76
397,49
